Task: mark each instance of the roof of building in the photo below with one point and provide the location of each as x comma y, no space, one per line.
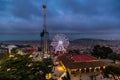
80,57
80,61
12,46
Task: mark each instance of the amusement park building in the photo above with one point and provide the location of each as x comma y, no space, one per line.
81,63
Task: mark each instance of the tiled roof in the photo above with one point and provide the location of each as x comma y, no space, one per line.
70,63
80,57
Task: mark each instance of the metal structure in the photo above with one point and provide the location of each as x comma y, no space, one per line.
44,35
60,43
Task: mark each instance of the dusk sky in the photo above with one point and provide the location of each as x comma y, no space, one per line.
81,18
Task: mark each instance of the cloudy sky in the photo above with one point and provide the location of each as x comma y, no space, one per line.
81,18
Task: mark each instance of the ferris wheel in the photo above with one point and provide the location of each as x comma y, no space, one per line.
60,42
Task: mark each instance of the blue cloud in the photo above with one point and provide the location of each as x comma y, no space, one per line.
80,16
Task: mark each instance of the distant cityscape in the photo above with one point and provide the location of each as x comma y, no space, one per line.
84,45
90,67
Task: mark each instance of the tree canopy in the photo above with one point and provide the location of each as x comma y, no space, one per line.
101,51
114,56
22,67
113,70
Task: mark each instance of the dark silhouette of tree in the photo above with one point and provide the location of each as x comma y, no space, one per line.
22,67
101,51
114,56
96,51
112,70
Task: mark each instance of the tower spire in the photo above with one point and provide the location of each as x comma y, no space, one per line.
44,35
44,17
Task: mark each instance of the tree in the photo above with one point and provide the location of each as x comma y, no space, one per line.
101,51
96,51
112,70
114,56
22,67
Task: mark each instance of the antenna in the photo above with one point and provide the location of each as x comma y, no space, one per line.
44,15
44,34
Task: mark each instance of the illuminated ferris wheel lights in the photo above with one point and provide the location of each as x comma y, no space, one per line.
60,42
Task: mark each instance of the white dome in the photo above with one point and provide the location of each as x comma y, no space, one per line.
12,46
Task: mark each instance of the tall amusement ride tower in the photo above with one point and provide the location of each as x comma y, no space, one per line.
44,35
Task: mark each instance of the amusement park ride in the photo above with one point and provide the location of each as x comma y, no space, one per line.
60,42
45,35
